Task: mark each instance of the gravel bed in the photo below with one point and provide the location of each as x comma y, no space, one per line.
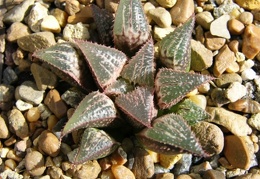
225,44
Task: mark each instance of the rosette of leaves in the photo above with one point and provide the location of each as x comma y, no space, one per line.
132,89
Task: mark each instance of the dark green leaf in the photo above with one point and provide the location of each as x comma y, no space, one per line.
141,68
95,144
95,110
175,48
170,134
172,86
105,63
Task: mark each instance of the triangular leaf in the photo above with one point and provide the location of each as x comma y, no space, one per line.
104,22
169,135
175,48
105,63
66,63
172,86
138,105
94,144
120,86
95,110
131,29
141,68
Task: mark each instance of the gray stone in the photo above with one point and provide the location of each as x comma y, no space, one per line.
16,31
72,97
183,165
9,76
18,12
36,41
226,8
28,92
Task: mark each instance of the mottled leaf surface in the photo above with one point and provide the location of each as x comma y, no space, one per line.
141,68
105,63
175,48
66,63
94,144
120,86
95,110
170,134
172,86
138,105
131,29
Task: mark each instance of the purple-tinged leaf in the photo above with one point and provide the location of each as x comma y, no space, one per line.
131,29
141,68
170,134
66,63
105,63
94,144
104,21
138,106
120,86
95,110
172,86
175,48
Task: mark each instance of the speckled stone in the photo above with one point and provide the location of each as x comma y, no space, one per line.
249,4
77,31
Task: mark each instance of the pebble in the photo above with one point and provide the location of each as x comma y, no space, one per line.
37,13
248,4
17,124
213,42
61,16
16,31
90,170
28,92
4,132
22,105
44,110
199,34
54,172
235,27
182,11
218,27
72,7
249,176
201,57
34,163
121,172
17,13
210,136
55,26
204,19
245,105
235,91
248,74
165,176
183,165
84,16
201,167
246,64
76,31
160,16
236,152
119,157
213,174
33,114
235,123
10,163
199,100
184,176
49,143
22,145
223,60
254,121
234,46
55,103
160,33
36,41
168,161
6,96
9,76
226,79
246,18
251,41
111,5
143,166
44,78
228,7
166,3
217,97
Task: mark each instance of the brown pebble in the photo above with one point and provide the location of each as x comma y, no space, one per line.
4,132
213,42
10,141
235,27
234,46
181,11
121,172
10,163
33,114
236,152
246,18
84,16
72,7
34,163
249,176
49,143
51,122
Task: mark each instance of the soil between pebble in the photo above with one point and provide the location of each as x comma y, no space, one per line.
225,44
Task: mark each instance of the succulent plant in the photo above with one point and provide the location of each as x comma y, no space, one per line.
123,85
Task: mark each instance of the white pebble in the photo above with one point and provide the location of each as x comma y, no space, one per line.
23,106
248,74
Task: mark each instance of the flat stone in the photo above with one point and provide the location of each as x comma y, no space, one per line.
167,3
36,41
37,13
160,33
224,80
182,11
210,136
76,31
161,17
223,60
4,132
18,12
49,143
44,78
61,16
235,123
51,24
213,42
236,152
201,57
28,92
235,27
16,31
235,91
251,41
254,121
122,172
55,103
204,19
17,124
218,27
168,161
248,4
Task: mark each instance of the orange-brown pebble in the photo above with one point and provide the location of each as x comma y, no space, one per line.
33,114
213,42
84,16
122,172
235,27
51,121
49,143
234,45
